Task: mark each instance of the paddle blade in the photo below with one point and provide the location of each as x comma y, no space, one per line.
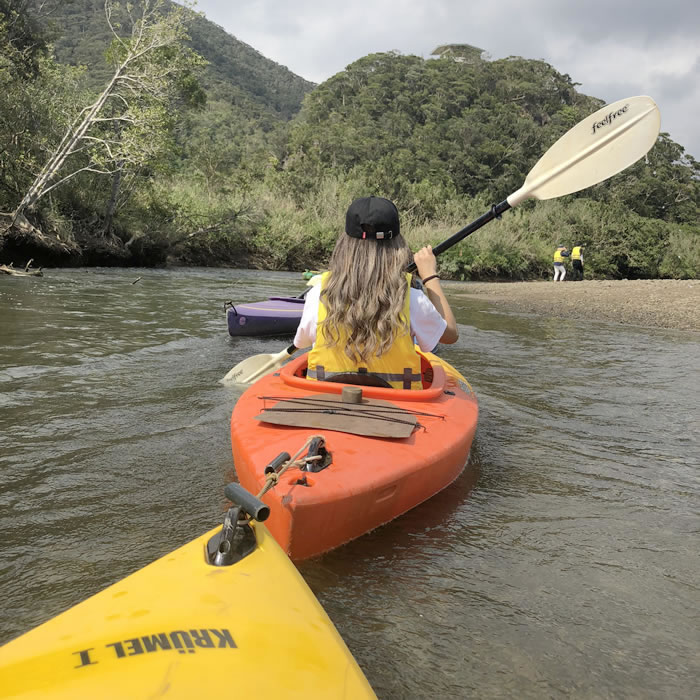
252,368
597,148
313,281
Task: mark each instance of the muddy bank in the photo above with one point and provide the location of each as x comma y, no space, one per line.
659,303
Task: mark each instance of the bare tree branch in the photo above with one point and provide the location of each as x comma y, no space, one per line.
142,73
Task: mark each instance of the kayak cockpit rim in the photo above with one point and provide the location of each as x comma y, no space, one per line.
292,374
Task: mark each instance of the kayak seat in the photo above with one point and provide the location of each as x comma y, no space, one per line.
367,379
293,374
359,379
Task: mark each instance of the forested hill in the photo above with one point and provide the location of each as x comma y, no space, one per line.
236,73
234,64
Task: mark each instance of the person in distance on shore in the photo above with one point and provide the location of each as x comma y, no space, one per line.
559,269
577,263
364,316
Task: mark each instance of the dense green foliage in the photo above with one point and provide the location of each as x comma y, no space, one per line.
36,94
399,121
248,96
252,177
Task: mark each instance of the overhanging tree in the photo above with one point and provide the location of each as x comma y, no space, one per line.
124,128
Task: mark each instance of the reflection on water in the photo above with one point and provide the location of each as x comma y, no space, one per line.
562,563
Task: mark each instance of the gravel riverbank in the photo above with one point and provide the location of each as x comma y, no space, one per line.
657,303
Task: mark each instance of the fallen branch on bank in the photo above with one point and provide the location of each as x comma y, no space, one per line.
27,272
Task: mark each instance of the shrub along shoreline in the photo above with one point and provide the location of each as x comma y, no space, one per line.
277,233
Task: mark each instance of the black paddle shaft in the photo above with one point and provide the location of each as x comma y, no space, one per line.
493,213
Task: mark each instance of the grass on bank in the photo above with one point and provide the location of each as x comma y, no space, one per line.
263,227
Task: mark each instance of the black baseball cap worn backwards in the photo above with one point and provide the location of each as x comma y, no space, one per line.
372,217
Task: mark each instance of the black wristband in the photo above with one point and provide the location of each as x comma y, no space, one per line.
432,277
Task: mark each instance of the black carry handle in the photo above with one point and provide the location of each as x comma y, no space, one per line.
253,506
276,464
494,213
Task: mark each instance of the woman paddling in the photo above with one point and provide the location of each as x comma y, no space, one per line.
364,317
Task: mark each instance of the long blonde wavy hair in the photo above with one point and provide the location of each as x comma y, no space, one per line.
365,293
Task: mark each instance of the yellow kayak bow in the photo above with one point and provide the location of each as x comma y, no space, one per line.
227,615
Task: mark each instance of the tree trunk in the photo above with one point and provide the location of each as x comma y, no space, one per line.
73,136
112,204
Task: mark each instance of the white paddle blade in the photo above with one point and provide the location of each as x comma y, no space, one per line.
245,369
598,147
274,364
252,368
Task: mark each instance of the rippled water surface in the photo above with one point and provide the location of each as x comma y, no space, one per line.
562,563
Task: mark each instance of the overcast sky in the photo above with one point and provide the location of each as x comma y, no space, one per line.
614,49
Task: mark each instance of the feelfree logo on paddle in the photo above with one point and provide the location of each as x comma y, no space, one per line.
609,119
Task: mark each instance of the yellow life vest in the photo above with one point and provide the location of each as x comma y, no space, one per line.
576,252
400,366
558,258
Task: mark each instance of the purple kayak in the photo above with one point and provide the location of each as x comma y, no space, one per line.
276,316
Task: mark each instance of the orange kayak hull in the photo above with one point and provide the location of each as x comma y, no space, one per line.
370,480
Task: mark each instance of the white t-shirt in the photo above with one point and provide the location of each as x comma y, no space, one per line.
427,326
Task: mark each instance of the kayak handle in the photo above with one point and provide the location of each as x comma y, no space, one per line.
251,505
233,542
277,463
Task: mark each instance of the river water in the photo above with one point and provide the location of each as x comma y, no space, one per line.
563,562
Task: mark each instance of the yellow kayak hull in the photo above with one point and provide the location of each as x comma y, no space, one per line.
182,628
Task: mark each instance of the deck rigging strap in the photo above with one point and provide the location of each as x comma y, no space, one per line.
363,408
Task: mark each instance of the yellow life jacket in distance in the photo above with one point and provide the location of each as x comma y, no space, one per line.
400,366
558,258
576,252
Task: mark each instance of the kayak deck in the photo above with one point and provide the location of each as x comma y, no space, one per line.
370,480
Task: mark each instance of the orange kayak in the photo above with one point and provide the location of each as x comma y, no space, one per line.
339,464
